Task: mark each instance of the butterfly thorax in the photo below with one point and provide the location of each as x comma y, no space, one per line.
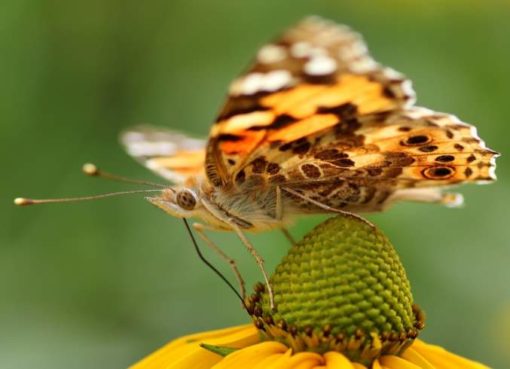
220,208
252,210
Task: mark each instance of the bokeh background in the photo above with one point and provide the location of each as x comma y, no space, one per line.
101,284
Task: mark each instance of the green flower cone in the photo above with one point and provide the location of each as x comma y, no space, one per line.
342,288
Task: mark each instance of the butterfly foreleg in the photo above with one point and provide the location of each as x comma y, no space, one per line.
326,207
200,228
288,236
258,259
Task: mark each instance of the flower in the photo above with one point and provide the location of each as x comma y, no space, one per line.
342,301
188,353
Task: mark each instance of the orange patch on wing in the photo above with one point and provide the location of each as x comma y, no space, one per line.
303,101
284,102
304,127
248,141
181,160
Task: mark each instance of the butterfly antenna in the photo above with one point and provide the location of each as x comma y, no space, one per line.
93,171
212,267
23,201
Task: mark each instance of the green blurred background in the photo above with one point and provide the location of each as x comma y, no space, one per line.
101,284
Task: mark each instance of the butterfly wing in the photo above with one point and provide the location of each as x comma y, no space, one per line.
171,155
317,73
317,115
409,155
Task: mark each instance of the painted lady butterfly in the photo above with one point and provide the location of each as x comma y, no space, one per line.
314,126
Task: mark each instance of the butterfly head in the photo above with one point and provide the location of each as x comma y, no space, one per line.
180,202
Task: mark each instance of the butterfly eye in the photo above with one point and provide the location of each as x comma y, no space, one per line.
186,199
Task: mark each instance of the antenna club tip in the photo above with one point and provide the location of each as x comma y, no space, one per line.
90,169
21,201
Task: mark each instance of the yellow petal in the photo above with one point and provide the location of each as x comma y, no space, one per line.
186,353
442,359
248,357
376,365
276,361
358,366
335,360
395,362
304,360
414,357
245,336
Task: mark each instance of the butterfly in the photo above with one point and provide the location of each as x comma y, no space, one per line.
314,125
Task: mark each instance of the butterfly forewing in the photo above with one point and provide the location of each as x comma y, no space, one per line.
315,75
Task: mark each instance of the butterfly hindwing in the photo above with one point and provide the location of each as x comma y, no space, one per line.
357,164
172,155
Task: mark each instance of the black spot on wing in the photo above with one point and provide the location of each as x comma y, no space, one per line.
273,168
344,111
311,171
415,140
240,105
438,172
228,137
330,154
259,165
445,158
298,147
429,148
281,121
240,177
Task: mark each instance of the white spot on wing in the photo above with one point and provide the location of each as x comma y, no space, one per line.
407,89
151,142
276,80
320,65
474,133
492,169
252,83
151,148
392,73
259,82
363,65
418,112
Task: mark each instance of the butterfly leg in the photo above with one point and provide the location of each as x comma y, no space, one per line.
258,259
200,228
326,207
288,236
